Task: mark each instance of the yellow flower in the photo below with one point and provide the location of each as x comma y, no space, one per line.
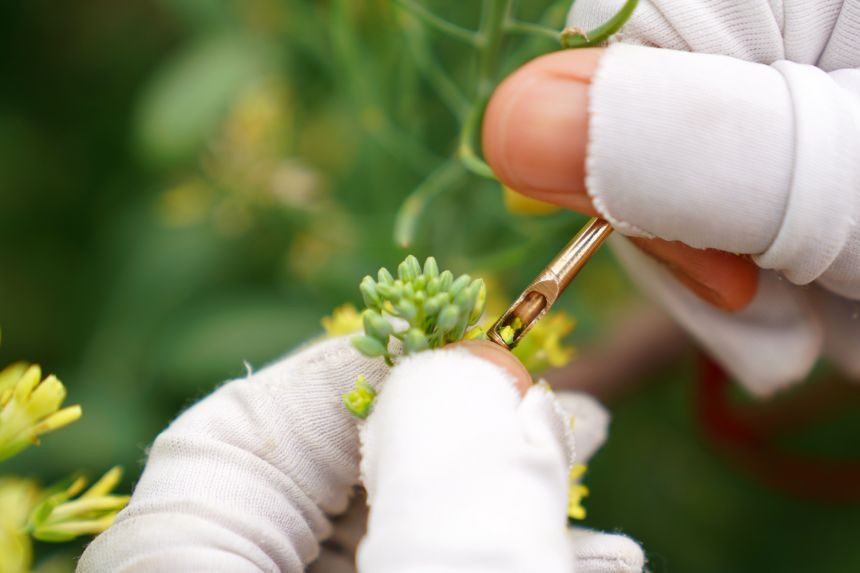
18,496
60,518
542,347
576,492
30,407
359,400
344,319
519,204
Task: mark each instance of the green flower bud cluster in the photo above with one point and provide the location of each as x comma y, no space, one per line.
437,308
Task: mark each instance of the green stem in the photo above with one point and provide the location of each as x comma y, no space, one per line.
439,24
575,39
466,150
527,28
446,176
435,73
494,14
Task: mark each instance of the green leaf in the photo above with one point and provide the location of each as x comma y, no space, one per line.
187,100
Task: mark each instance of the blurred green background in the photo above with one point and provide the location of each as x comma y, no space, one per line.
188,185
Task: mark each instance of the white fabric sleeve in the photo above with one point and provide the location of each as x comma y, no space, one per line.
721,153
462,474
243,480
749,144
769,345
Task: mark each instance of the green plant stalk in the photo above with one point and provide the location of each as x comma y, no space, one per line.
439,24
494,15
602,33
447,176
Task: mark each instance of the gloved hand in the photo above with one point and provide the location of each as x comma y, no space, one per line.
463,474
749,145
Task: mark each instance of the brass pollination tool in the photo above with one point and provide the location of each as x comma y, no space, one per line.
542,293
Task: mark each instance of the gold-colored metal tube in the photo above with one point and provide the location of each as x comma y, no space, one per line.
542,293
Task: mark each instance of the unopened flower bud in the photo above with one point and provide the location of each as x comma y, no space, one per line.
406,309
376,326
384,277
368,292
462,282
416,341
431,269
446,279
368,346
448,318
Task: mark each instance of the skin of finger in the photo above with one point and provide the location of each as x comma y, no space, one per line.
499,356
535,135
727,281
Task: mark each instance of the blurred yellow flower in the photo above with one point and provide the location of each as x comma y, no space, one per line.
58,517
18,496
344,319
576,492
185,204
30,407
542,347
519,204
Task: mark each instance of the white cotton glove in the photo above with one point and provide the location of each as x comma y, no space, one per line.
751,145
464,475
245,480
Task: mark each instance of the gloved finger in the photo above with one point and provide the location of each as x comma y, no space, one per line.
726,281
536,130
771,344
462,473
597,552
590,423
252,469
500,357
841,320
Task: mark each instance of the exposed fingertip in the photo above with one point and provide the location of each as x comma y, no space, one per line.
725,280
536,126
500,357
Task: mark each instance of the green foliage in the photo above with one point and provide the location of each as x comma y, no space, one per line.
147,275
431,308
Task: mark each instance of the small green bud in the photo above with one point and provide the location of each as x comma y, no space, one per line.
431,269
388,292
480,302
448,318
416,341
420,298
462,282
414,265
409,290
419,283
409,269
369,293
406,309
446,278
467,299
433,286
385,277
377,327
368,346
433,305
